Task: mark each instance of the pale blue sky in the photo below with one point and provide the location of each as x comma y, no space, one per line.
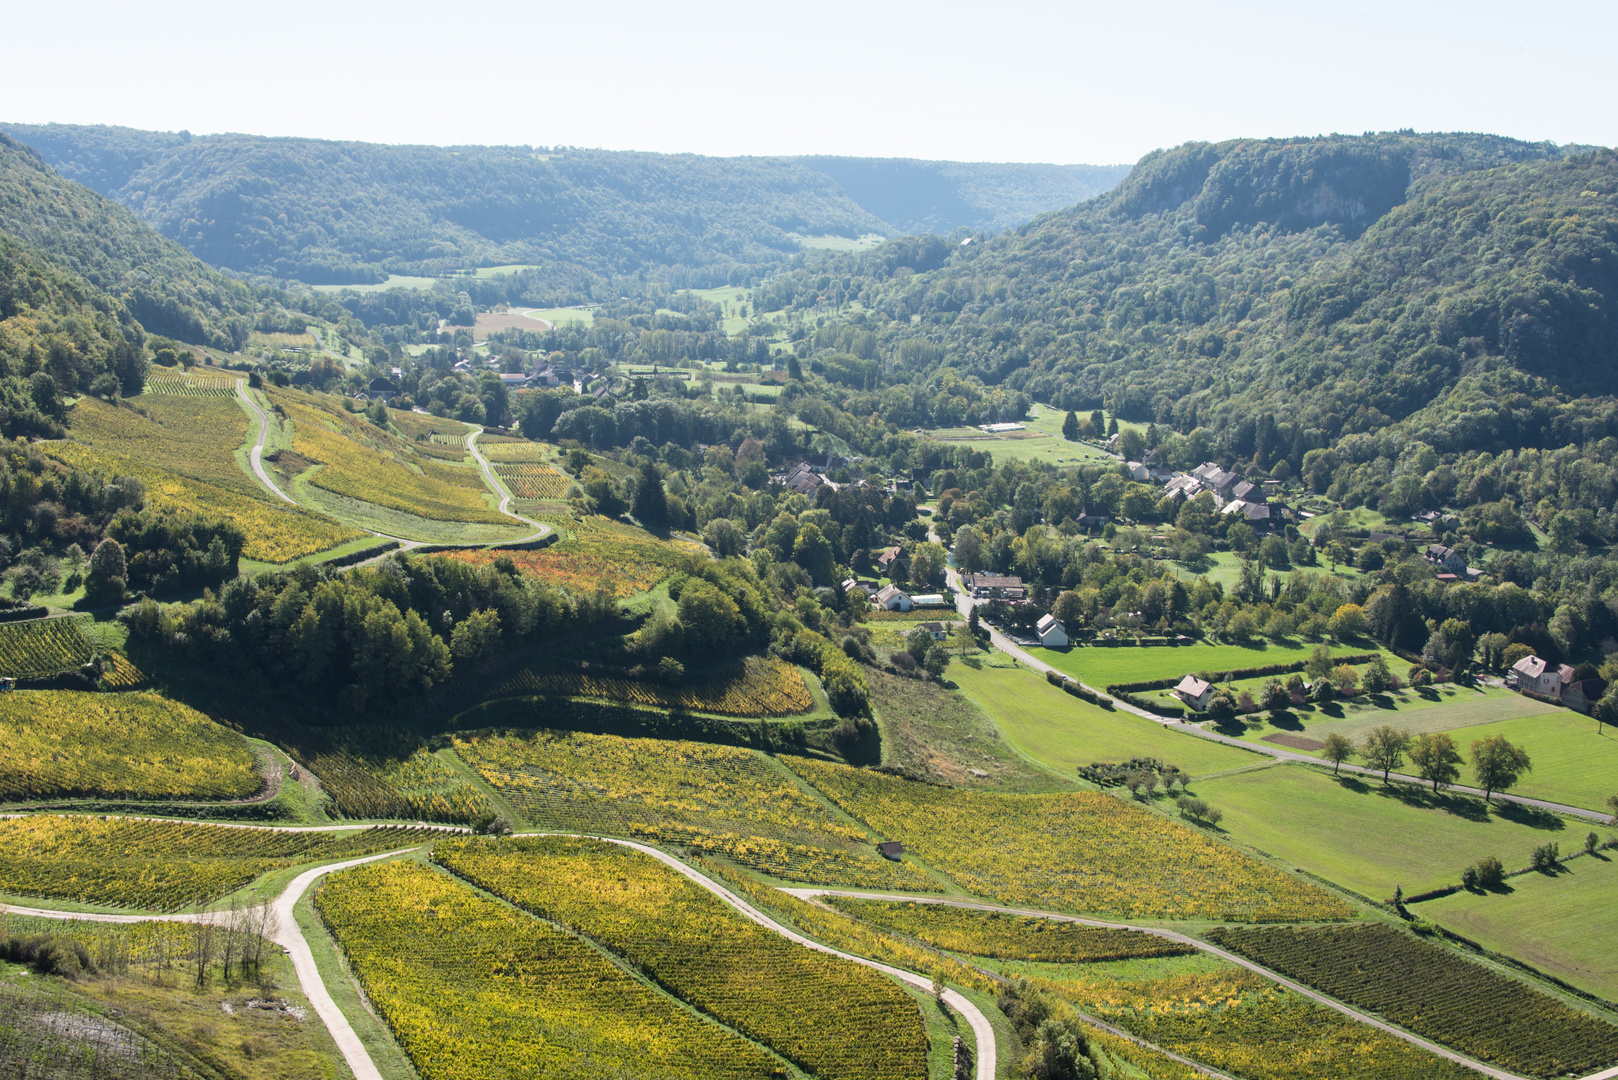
987,81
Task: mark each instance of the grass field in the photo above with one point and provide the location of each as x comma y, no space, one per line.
558,316
839,243
1100,666
1573,762
933,732
1059,730
1436,708
1371,838
1226,569
1560,924
395,281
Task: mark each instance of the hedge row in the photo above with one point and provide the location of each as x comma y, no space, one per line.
1238,673
29,611
362,554
1077,689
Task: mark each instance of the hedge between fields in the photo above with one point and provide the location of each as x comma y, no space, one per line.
1077,689
28,611
1238,673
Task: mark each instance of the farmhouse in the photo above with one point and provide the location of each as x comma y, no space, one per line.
892,598
802,480
1052,634
1536,676
890,558
1220,482
1008,586
1194,692
1447,557
1584,694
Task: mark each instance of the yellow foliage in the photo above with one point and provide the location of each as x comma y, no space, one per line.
533,481
472,989
40,648
1076,852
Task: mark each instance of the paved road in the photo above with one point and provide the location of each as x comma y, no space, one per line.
964,604
1498,1074
258,446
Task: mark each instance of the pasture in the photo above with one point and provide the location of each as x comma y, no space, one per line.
394,281
1062,732
1560,923
1371,837
1101,665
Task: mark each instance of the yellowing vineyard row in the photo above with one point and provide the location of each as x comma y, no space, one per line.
757,686
719,799
167,382
61,743
472,989
40,648
521,451
533,481
162,866
1075,852
835,1019
599,554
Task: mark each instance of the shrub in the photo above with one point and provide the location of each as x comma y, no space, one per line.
1546,856
1469,878
1490,873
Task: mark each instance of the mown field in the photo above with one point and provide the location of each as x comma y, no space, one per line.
1100,666
1444,707
830,1017
65,744
162,866
1075,852
1560,923
1357,832
1063,732
472,988
711,799
1437,993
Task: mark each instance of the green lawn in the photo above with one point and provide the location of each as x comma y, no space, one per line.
395,281
839,243
1371,838
1560,924
1436,708
1063,732
562,315
1226,569
1099,665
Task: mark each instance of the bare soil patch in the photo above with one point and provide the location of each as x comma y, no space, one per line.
1296,742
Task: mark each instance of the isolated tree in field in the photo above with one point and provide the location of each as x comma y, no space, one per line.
1337,750
1436,759
1385,749
1346,679
1490,872
109,574
1070,426
1497,764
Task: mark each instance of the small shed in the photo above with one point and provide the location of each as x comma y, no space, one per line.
936,629
891,849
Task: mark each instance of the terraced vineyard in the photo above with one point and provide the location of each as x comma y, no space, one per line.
533,481
1078,852
1247,1026
599,554
170,383
65,744
756,686
832,1018
1009,937
1436,993
40,648
163,866
472,989
712,799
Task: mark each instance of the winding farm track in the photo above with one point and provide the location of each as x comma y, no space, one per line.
1201,946
964,604
257,454
495,483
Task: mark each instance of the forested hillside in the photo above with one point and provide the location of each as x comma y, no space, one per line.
586,222
169,290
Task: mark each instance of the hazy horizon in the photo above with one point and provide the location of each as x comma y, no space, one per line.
1035,82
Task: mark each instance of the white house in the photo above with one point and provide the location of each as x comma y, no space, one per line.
1535,675
892,599
1138,472
1052,634
1194,692
1446,557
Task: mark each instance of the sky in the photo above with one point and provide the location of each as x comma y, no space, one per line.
1012,80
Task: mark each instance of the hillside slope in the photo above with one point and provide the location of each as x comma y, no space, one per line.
168,289
350,213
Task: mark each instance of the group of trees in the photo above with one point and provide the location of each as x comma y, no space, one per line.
1496,763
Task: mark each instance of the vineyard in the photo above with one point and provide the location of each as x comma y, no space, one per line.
275,533
361,461
62,744
756,686
533,481
40,648
163,866
1436,993
1009,937
718,800
1077,852
521,451
171,383
472,989
117,673
831,1017
600,553
1247,1026
193,436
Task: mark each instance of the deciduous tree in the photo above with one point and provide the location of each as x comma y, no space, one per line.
1436,759
1385,749
1337,750
1497,764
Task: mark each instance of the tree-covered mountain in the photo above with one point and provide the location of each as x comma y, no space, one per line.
1342,283
943,196
592,222
68,226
